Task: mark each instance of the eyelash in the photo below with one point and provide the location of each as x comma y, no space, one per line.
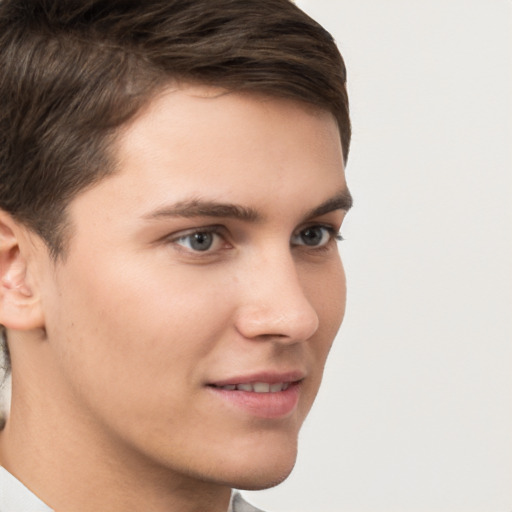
334,236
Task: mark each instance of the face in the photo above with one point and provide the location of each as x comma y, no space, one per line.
202,288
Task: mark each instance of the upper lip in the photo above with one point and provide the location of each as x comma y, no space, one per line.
269,377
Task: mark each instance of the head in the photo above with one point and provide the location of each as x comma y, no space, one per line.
91,93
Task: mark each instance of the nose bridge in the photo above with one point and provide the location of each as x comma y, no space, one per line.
274,302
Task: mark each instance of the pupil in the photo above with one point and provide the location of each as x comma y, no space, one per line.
312,236
202,241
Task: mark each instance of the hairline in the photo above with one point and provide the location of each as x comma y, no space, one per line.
65,229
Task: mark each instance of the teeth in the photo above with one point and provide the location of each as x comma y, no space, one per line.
261,387
258,387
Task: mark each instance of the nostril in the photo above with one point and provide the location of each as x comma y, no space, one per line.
267,337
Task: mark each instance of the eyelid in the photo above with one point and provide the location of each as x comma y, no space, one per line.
210,228
332,227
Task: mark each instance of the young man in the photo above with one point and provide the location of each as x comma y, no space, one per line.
171,191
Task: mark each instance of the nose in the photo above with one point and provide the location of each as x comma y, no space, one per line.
274,304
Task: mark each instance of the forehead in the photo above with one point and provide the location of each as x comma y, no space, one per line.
199,142
214,129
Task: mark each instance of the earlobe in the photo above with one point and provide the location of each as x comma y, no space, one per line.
20,306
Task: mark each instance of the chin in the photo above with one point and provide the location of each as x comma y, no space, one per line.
262,470
261,481
258,481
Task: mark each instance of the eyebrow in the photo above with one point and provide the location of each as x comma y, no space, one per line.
204,208
341,201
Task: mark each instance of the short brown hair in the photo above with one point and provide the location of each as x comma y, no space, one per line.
73,71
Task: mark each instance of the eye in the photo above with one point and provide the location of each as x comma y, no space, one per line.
200,241
315,236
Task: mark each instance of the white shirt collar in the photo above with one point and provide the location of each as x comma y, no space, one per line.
15,497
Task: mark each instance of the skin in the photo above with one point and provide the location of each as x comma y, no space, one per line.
114,346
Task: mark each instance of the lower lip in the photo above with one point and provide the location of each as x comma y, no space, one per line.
263,405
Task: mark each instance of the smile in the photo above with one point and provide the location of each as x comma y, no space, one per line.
257,387
271,400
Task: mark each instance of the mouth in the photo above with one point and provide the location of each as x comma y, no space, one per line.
256,387
269,396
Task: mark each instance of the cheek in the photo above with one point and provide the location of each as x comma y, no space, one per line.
327,290
134,356
132,322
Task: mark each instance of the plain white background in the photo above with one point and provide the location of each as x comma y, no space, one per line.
415,413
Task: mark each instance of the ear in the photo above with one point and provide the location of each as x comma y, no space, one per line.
20,305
